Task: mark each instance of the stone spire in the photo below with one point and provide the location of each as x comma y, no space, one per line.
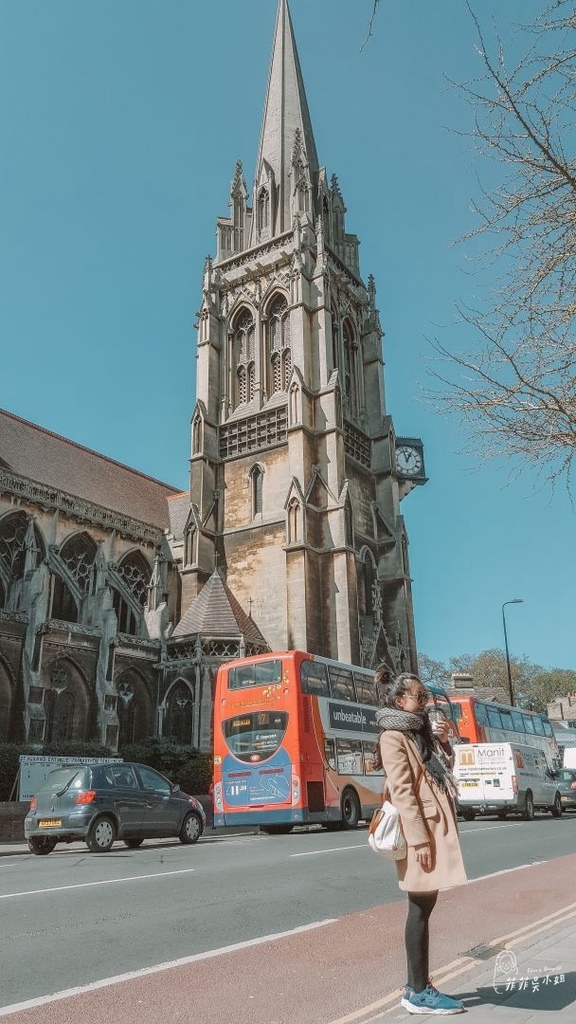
286,122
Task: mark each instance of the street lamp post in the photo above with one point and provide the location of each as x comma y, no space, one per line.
515,600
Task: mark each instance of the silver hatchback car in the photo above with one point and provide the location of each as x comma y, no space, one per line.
99,803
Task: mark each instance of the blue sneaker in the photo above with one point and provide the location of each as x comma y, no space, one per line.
430,1001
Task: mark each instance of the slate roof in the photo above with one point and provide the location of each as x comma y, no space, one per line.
216,612
178,509
53,460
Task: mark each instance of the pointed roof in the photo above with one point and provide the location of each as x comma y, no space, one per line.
216,612
285,112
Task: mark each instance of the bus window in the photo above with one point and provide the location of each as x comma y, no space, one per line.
548,730
538,725
494,717
480,711
255,736
342,683
260,673
517,721
349,757
506,718
314,679
370,750
366,688
330,754
528,723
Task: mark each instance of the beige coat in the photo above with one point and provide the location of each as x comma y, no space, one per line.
427,815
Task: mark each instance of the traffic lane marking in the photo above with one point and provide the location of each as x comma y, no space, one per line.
143,972
87,885
460,965
334,849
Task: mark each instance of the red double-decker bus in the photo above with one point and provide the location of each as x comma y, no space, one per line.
295,739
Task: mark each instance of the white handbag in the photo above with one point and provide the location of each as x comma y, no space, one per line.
385,833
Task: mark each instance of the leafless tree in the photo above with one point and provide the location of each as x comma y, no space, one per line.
512,375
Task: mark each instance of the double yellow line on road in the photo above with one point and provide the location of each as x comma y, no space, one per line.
375,1011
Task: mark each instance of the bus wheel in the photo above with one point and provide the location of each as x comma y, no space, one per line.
276,830
468,814
502,813
528,809
350,809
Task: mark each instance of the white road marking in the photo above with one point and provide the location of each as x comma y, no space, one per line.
483,828
87,885
334,849
506,871
168,965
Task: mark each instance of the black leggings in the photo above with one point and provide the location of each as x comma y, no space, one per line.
416,938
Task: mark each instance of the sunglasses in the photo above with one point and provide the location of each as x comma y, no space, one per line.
422,696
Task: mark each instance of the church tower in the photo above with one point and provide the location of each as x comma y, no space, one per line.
296,474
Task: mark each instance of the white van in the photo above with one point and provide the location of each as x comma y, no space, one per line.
502,778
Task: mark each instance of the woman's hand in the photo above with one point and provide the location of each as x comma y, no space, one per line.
423,852
441,731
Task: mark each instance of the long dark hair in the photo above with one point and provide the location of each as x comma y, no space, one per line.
399,686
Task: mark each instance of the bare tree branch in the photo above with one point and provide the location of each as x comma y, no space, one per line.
370,24
515,386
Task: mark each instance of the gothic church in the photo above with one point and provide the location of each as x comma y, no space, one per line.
120,596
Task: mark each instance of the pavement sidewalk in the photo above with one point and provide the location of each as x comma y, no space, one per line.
520,978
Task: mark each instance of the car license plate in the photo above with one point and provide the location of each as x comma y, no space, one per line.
50,823
467,783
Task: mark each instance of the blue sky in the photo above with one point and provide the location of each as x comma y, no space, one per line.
120,127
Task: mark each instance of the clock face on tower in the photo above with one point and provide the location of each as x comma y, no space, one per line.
409,460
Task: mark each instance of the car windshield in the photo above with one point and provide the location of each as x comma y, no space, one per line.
565,775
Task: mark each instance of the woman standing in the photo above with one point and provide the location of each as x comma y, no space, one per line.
417,758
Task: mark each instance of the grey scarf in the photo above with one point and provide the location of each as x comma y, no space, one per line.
416,725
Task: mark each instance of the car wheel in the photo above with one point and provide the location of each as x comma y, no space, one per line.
528,809
557,806
350,809
468,814
191,829
276,830
41,846
101,835
134,842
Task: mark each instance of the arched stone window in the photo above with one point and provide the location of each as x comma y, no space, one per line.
14,532
134,709
196,435
348,526
279,348
78,554
350,381
65,704
243,356
335,341
135,572
368,576
179,713
256,488
294,522
263,211
302,197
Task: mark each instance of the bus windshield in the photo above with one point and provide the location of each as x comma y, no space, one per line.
256,736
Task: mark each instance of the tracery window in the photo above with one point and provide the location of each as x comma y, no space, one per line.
14,537
78,554
243,356
279,346
135,572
